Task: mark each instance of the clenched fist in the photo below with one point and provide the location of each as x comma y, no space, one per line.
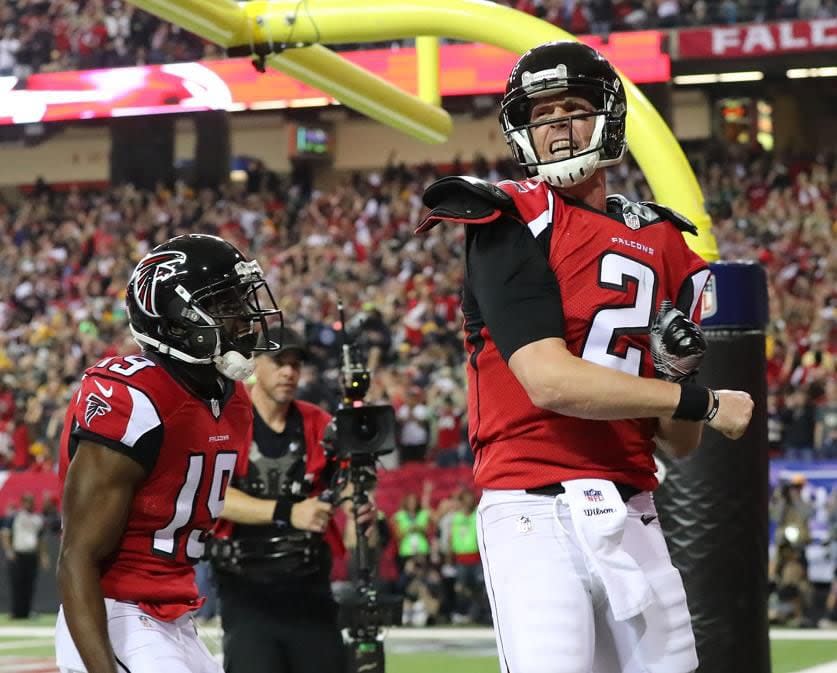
311,514
735,409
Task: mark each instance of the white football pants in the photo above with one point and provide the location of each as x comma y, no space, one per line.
142,644
551,612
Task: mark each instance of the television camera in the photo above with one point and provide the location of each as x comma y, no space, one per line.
358,436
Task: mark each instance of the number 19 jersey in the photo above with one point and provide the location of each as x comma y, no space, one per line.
595,279
190,448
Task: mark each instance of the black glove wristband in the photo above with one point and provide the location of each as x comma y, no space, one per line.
693,401
282,511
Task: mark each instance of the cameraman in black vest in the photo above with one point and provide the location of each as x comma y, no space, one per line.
277,609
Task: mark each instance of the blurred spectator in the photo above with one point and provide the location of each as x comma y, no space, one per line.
443,522
24,545
413,417
831,517
775,425
825,429
50,513
421,586
9,47
410,525
798,420
370,333
668,13
449,429
7,397
470,606
601,16
791,514
790,597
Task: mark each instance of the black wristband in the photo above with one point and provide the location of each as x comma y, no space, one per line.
693,401
282,511
716,403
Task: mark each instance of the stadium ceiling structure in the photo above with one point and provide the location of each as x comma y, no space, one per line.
290,36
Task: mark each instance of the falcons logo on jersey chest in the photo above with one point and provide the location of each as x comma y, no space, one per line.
96,406
150,271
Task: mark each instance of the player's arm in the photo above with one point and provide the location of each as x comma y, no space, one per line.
98,493
520,302
557,380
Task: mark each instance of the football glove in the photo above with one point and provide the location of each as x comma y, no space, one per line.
677,344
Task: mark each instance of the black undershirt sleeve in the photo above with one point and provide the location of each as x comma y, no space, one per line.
517,292
685,297
145,450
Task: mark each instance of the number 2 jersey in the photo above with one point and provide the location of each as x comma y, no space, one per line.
596,279
190,448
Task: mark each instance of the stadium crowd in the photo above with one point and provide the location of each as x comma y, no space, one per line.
65,258
41,36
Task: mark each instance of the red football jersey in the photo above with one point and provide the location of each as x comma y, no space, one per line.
613,272
192,448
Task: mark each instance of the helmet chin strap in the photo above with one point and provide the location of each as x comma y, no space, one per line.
231,364
234,365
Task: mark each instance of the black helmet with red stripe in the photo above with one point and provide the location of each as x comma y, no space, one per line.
197,299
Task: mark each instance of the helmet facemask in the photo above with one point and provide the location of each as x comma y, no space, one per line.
236,312
606,146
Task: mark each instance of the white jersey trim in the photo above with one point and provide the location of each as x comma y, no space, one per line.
699,280
543,220
143,417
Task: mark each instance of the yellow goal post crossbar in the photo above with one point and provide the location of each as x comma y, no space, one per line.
289,25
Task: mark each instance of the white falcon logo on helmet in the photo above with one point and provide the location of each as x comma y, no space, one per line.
152,269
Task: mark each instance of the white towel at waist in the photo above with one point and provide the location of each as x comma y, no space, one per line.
598,516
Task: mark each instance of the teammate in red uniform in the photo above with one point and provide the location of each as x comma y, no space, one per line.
150,443
567,389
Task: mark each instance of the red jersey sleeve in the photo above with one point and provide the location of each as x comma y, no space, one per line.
119,416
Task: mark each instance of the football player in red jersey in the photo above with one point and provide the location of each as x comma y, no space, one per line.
576,369
149,445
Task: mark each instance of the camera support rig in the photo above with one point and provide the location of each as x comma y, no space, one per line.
358,436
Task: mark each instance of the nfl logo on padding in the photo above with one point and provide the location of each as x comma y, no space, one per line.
593,495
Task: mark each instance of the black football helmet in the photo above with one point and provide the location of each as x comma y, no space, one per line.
550,69
197,299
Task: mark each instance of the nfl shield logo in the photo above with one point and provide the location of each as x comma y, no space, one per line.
632,220
593,495
524,524
709,300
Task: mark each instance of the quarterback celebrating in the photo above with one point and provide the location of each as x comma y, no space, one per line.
150,443
581,314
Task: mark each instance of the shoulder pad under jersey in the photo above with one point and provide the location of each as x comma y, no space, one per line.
682,222
461,198
648,212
